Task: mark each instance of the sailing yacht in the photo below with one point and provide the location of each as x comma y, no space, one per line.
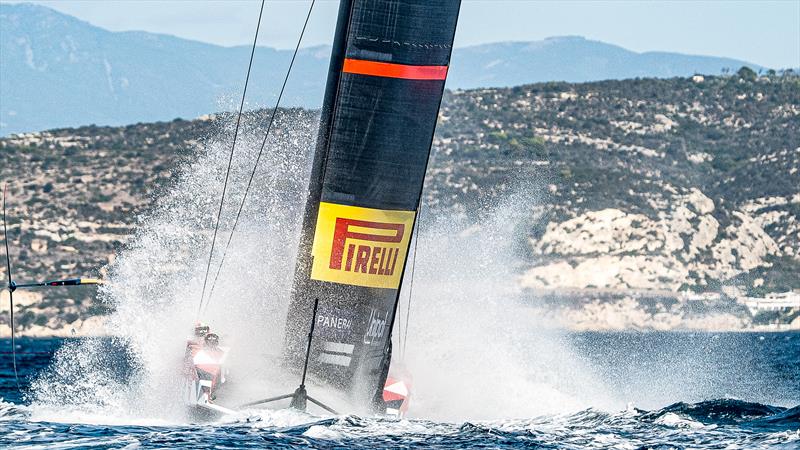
385,83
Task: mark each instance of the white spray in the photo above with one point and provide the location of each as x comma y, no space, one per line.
475,350
156,281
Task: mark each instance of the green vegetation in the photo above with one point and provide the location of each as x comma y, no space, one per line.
571,148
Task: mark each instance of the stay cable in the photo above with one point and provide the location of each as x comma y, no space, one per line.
260,152
230,161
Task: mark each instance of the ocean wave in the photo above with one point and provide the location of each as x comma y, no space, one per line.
708,424
11,411
728,412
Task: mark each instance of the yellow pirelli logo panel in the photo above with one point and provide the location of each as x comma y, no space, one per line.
360,246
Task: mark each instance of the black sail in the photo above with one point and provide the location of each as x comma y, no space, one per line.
385,85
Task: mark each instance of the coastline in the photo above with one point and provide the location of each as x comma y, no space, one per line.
56,325
94,327
568,310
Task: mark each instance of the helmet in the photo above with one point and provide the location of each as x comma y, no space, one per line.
212,340
201,329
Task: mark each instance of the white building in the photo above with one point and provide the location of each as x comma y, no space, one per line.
772,302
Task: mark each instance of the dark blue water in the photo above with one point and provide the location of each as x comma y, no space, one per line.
738,391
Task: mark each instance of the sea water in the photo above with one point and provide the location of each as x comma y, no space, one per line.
749,399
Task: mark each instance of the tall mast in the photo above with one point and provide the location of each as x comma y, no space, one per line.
387,73
323,137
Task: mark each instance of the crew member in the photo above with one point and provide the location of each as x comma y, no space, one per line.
211,341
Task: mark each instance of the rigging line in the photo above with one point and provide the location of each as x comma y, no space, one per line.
230,160
260,152
10,291
403,342
410,291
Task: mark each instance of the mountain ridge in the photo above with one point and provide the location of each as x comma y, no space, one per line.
61,71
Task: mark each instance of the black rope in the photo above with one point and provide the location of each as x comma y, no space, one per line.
230,160
10,292
260,152
410,291
404,341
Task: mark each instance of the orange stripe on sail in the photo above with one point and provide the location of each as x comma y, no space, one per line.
391,70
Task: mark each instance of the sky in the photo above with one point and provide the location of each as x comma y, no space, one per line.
761,32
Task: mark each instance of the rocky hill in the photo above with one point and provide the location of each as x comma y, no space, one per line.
638,189
655,184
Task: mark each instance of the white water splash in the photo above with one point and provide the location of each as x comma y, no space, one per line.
475,349
156,281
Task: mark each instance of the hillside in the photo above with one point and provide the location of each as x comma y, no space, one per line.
643,187
60,71
666,183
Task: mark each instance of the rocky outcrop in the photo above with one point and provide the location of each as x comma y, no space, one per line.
683,246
